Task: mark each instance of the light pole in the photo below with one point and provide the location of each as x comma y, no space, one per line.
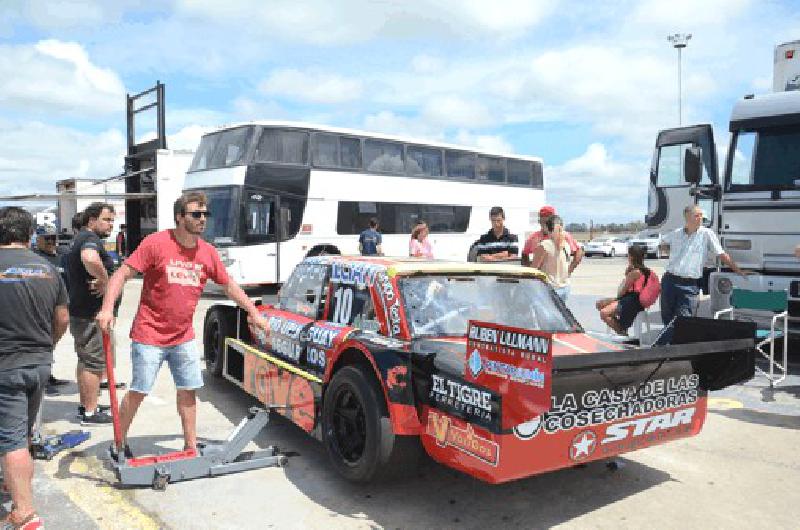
679,42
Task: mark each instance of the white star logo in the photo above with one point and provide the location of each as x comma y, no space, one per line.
583,445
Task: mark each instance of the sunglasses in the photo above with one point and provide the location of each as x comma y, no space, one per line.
200,213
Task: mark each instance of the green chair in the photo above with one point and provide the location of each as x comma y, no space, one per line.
776,302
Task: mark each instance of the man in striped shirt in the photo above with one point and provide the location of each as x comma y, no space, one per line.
498,244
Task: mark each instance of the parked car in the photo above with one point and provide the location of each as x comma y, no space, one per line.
606,246
481,366
650,241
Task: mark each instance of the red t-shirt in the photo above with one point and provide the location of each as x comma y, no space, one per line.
174,277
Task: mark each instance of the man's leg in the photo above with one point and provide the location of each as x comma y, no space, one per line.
88,386
685,299
91,360
667,300
184,363
18,476
187,410
127,410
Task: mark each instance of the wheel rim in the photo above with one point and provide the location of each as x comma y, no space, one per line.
349,425
213,341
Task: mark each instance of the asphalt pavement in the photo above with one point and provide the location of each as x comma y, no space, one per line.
742,471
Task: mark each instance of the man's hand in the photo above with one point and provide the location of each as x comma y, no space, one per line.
256,319
104,320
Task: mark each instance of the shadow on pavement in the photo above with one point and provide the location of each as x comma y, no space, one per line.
438,496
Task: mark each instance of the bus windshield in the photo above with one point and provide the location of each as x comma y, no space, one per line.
766,159
439,305
221,225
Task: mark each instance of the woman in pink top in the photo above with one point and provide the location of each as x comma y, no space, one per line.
420,246
620,312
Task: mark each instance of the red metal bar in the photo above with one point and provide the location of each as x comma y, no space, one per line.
112,392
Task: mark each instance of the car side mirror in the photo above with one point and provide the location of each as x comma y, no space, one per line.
692,165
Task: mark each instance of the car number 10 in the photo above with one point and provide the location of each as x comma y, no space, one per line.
343,307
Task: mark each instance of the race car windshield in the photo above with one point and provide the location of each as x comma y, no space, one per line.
443,305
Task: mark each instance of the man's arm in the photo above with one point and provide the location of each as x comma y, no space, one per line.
114,289
727,260
94,266
235,293
60,323
379,248
576,260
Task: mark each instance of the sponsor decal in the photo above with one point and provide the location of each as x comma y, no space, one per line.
391,302
447,434
273,386
463,400
360,274
396,377
605,405
583,445
513,361
637,427
529,429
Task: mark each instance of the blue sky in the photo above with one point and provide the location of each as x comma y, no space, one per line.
584,85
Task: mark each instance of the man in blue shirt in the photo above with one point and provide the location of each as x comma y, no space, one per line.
369,242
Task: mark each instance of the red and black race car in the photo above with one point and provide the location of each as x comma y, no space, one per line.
480,365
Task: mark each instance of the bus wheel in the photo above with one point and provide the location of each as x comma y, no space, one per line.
322,250
218,325
358,434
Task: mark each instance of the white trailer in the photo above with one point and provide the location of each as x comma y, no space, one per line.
787,67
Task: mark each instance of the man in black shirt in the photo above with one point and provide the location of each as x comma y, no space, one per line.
88,269
33,305
498,244
46,248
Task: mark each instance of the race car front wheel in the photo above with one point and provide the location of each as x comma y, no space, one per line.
358,434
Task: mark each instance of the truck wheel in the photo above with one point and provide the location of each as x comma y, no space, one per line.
219,325
358,434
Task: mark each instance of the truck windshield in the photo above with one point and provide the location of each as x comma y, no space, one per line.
442,305
766,159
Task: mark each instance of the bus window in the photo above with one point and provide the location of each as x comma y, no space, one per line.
231,147
445,218
491,169
670,165
221,225
350,152
520,172
383,157
538,176
460,165
283,147
424,161
325,150
400,218
203,155
257,222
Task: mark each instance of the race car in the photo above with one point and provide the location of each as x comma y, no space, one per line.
481,366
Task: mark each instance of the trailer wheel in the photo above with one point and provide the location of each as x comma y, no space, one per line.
219,325
322,250
358,434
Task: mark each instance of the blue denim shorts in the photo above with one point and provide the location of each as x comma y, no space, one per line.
183,360
20,397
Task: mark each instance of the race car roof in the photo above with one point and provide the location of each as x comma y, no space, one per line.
406,266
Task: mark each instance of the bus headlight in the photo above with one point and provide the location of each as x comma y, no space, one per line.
724,286
738,244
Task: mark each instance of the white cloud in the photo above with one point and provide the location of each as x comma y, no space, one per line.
595,186
34,155
188,137
426,64
57,76
311,87
493,143
454,111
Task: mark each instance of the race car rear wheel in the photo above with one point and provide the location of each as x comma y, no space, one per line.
219,324
358,433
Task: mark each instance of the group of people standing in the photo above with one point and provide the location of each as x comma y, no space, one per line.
37,307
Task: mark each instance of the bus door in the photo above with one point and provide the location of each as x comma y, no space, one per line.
267,218
670,192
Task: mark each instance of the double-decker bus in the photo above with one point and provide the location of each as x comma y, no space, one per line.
281,191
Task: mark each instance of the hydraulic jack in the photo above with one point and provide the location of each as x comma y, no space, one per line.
208,460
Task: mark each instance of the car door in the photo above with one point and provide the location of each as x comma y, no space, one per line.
669,192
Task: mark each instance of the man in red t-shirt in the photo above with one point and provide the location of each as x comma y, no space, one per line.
575,250
176,265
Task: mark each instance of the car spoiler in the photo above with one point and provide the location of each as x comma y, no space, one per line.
721,351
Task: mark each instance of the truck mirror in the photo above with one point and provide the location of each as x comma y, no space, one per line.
692,165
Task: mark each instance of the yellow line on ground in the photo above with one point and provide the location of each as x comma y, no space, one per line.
724,403
98,498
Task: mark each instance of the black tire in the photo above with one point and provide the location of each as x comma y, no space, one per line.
357,432
323,250
219,324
